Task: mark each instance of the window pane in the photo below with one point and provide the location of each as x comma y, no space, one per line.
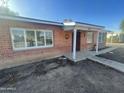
30,38
89,37
40,38
104,37
49,38
100,37
18,38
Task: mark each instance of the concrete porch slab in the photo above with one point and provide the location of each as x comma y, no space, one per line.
82,55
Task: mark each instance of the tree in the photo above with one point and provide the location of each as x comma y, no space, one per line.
122,25
7,11
4,9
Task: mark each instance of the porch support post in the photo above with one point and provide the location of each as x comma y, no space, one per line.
97,42
74,43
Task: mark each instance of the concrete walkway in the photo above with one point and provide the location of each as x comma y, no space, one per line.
113,64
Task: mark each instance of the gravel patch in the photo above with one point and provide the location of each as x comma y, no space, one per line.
116,55
50,77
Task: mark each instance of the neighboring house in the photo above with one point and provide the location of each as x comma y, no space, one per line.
24,39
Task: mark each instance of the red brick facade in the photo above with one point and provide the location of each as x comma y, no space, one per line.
61,45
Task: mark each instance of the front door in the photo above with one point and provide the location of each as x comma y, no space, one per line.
77,41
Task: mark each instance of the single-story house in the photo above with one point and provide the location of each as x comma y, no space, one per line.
23,39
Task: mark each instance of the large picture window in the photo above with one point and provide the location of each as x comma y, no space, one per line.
26,39
89,37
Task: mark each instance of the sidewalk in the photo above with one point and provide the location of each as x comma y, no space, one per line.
113,64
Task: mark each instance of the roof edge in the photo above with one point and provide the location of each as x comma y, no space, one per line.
88,24
33,20
26,19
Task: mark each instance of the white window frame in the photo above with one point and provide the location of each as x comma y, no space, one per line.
45,38
11,29
34,47
101,39
26,38
92,37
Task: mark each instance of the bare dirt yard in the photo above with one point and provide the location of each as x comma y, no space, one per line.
116,55
50,77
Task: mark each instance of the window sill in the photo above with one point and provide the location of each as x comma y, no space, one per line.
30,48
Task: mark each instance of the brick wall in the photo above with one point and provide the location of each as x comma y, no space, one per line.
84,44
61,45
89,46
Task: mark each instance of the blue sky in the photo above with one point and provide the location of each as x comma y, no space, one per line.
108,13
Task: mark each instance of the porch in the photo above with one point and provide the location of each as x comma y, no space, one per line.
82,55
76,28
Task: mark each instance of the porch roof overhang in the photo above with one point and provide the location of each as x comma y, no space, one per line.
70,26
74,26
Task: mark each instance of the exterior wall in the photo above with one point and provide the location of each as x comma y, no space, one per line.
83,41
89,46
61,45
84,44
